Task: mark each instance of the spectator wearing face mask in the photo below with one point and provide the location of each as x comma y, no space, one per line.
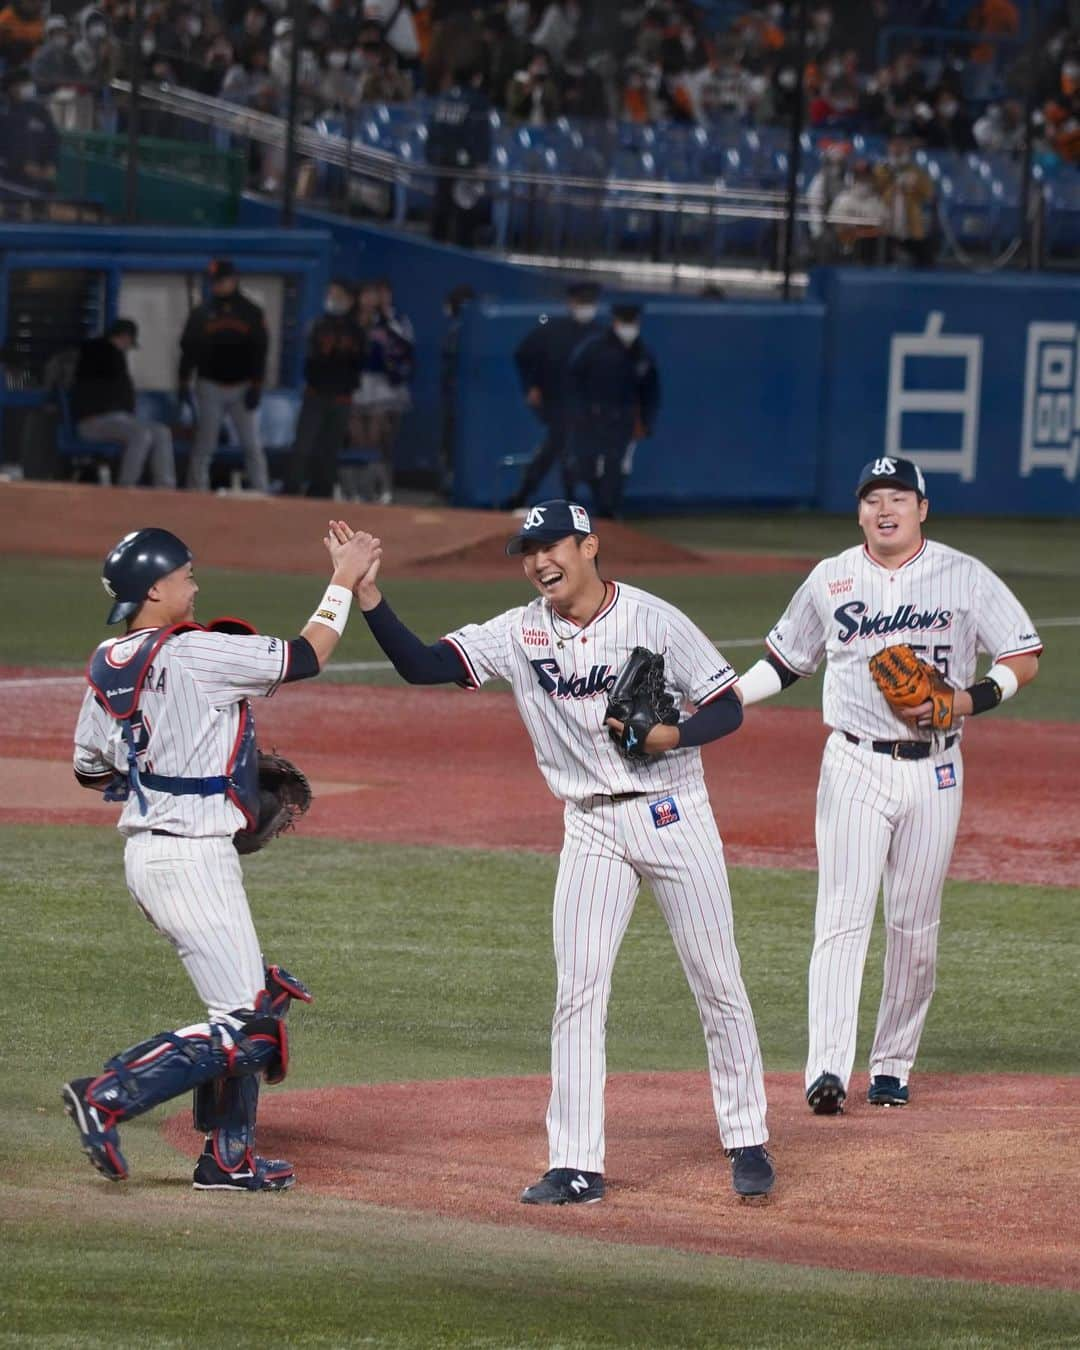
335,359
825,186
96,50
857,217
615,396
22,29
532,96
29,141
543,364
908,193
338,85
53,66
1001,128
951,128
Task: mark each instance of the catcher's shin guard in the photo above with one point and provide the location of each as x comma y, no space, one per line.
224,1110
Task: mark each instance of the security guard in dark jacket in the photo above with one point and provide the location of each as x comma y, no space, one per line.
615,392
225,341
335,358
459,137
543,363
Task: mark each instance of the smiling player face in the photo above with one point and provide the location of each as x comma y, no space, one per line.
891,520
564,572
175,593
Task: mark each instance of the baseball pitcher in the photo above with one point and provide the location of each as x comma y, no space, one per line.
599,672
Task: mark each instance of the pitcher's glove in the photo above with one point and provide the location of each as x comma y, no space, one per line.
640,702
284,796
906,681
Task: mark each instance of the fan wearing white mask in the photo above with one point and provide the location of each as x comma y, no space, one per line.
615,396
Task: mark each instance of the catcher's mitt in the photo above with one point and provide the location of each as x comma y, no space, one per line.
284,796
639,701
906,681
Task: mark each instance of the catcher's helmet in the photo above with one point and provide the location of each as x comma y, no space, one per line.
137,561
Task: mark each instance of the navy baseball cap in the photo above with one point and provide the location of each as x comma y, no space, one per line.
889,471
548,522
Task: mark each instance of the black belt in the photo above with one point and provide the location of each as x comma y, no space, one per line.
169,834
903,749
618,796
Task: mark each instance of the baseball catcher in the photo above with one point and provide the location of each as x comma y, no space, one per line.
284,796
640,702
906,681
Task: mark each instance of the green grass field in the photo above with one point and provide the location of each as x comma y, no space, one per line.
433,963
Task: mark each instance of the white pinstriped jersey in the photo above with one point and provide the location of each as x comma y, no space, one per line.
946,604
561,676
190,716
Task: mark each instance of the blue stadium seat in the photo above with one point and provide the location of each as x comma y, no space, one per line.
1061,196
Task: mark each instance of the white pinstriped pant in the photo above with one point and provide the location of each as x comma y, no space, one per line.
879,820
192,891
608,848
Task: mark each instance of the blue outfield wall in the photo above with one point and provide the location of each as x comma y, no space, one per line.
738,413
977,376
974,376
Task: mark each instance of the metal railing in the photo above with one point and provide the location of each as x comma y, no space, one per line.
578,216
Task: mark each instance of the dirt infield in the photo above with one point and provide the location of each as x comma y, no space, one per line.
975,1180
282,534
369,752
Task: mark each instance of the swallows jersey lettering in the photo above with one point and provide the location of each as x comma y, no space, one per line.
600,680
855,622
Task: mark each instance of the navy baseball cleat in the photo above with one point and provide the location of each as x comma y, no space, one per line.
253,1174
97,1129
885,1090
752,1173
826,1095
565,1186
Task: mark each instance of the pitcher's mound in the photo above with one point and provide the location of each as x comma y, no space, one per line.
976,1179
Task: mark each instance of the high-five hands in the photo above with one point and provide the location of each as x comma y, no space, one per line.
353,553
363,588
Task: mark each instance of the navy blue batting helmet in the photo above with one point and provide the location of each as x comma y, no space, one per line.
137,561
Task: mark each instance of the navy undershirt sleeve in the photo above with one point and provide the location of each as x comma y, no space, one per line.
719,718
787,675
303,663
413,659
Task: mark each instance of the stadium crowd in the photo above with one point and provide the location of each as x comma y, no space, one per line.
534,61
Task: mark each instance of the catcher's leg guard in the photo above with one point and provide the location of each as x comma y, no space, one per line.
224,1110
283,988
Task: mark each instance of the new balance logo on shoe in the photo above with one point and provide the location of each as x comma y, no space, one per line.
579,1184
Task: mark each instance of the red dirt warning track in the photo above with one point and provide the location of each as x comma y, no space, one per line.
975,1180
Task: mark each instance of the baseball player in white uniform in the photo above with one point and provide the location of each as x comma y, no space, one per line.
890,791
561,655
165,727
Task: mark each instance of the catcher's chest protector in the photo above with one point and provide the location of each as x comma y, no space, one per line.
118,685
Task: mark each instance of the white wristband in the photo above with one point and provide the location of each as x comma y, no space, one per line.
760,681
333,609
1005,679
